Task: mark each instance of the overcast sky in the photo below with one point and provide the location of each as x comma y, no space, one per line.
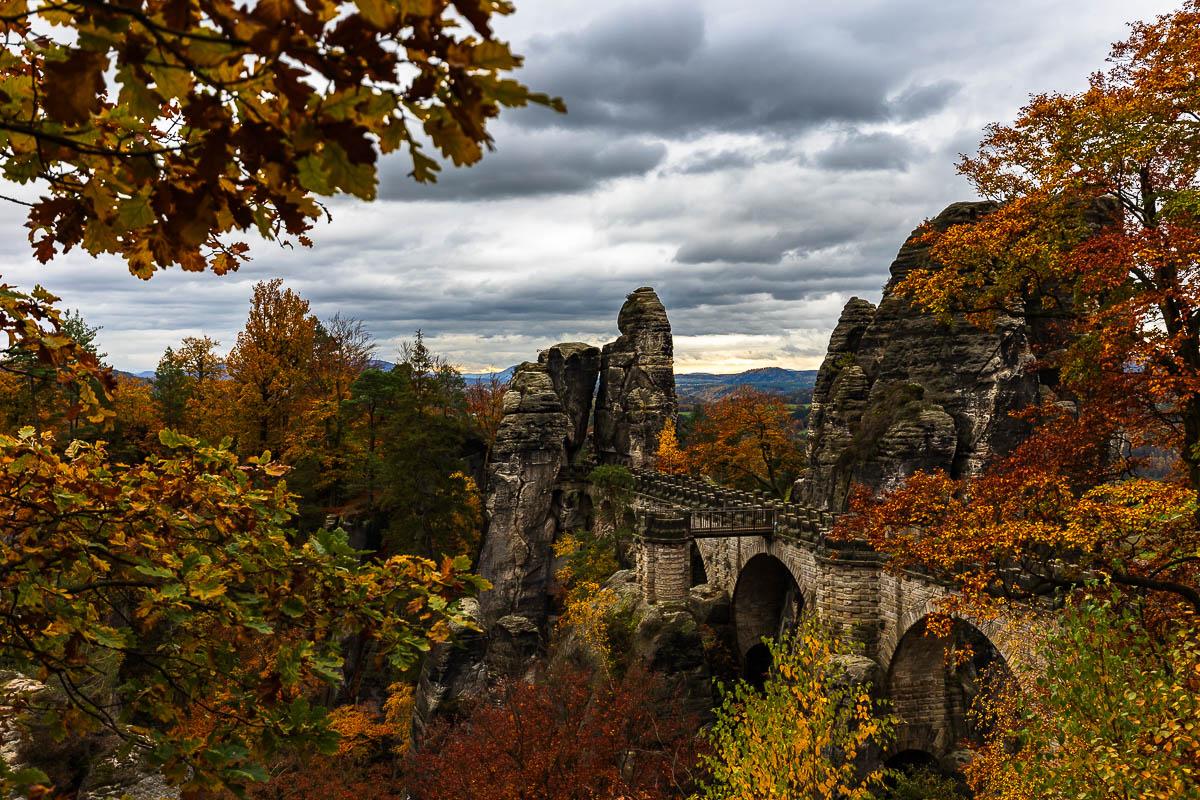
757,163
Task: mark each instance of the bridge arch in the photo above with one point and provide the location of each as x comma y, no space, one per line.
767,602
931,693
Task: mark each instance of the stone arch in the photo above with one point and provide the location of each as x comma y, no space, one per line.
1009,637
931,694
766,601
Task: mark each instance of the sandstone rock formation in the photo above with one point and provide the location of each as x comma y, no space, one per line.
537,487
573,368
93,767
637,383
901,390
529,454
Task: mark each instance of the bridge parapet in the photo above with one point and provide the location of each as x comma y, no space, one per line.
683,492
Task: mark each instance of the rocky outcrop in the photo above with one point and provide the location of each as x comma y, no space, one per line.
529,454
902,390
533,494
537,489
98,766
637,383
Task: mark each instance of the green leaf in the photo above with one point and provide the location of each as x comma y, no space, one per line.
313,174
29,776
294,606
136,212
154,572
355,179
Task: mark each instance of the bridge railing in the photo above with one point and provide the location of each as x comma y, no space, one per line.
721,522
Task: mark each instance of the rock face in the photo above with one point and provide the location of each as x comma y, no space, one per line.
537,488
901,390
529,454
573,368
93,767
637,383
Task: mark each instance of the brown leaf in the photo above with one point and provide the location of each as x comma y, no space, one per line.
75,87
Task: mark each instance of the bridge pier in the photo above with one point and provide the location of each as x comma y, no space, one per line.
848,595
664,559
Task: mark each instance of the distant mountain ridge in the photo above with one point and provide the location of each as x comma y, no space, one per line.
691,387
703,387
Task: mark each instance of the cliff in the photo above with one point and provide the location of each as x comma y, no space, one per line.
902,390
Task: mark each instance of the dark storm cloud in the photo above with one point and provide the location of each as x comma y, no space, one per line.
655,70
527,164
868,151
920,101
707,248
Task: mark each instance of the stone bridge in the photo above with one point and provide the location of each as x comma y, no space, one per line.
776,562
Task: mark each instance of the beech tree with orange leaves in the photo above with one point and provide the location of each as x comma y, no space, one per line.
747,439
269,365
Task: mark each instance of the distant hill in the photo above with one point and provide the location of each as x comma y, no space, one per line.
703,387
692,387
503,376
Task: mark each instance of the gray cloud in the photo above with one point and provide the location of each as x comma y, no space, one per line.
868,151
922,100
757,164
657,72
530,163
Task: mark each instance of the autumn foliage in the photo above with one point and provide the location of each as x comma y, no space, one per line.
802,734
568,736
747,439
159,129
1095,239
180,576
1113,713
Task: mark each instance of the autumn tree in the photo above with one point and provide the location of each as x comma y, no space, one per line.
37,396
342,349
802,734
485,404
43,345
747,439
200,359
1096,234
670,457
1095,238
567,736
269,366
158,130
136,421
212,411
175,610
1112,714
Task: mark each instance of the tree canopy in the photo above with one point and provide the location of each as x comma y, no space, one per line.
161,130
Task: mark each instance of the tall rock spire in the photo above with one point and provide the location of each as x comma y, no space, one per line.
637,383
